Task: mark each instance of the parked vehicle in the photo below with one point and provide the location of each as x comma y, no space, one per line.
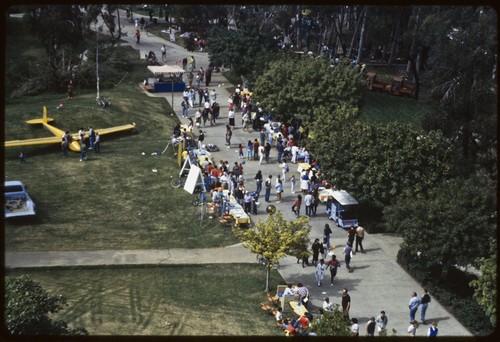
17,201
341,208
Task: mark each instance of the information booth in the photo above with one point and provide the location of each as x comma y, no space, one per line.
167,78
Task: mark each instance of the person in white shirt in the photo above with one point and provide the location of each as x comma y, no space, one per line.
284,170
354,327
288,291
308,201
279,315
327,305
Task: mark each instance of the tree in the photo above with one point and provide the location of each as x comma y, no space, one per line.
462,78
330,324
28,307
282,88
379,163
485,288
275,238
450,225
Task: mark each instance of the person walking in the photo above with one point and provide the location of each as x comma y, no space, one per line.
138,36
261,153
163,53
360,234
268,184
296,205
327,231
185,108
381,322
333,265
346,303
316,248
347,255
413,305
256,149
83,150
70,89
425,299
351,235
284,170
320,271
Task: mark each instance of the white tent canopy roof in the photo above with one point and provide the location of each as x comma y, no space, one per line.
166,70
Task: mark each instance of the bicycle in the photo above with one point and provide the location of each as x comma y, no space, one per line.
177,182
199,197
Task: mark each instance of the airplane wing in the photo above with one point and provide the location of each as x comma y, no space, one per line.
109,130
34,141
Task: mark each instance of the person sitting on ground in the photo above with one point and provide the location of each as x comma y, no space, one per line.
288,291
279,315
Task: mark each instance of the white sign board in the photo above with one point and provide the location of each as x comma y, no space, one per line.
192,179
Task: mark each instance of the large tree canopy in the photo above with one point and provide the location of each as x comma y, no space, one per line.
295,87
451,225
380,162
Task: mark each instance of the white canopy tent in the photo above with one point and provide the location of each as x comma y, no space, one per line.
168,72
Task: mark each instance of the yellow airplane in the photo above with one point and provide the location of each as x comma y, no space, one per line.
58,134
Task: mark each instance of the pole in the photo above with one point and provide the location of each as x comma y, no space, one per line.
97,59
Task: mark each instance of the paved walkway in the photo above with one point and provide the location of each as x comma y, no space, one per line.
377,282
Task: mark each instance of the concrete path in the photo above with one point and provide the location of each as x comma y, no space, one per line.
377,282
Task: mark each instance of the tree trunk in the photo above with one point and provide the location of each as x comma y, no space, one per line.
362,35
355,33
299,25
396,33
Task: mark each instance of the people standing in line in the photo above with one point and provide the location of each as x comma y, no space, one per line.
280,147
433,330
249,149
261,154
97,143
308,201
425,299
293,181
296,205
240,151
316,248
268,185
267,151
333,265
413,305
370,327
279,190
258,181
256,146
412,328
327,231
347,255
346,303
360,234
163,53
262,136
381,322
320,271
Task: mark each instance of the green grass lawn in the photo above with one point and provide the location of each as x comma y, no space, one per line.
205,300
113,200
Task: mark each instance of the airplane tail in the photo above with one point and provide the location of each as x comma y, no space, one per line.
44,120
